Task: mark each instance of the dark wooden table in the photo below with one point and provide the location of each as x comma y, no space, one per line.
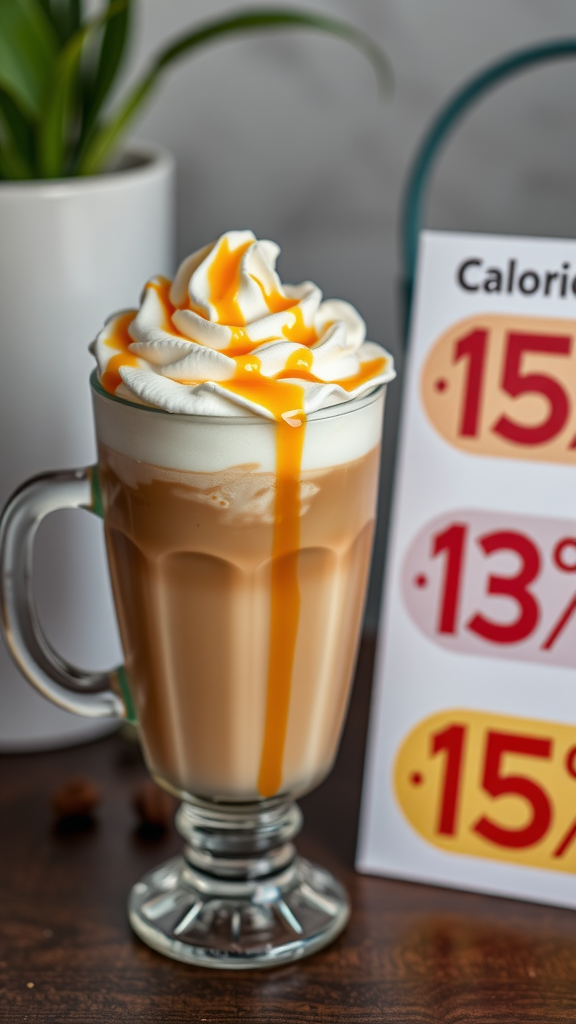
410,954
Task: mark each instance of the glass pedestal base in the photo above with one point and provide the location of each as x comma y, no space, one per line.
239,897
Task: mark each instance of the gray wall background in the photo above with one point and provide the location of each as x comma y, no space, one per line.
286,134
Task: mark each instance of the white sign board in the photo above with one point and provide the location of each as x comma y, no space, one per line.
471,772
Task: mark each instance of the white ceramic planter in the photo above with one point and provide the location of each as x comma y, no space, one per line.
71,252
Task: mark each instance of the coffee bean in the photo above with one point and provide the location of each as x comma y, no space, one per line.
153,805
76,798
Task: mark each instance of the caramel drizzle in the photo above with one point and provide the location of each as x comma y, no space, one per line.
119,339
284,601
284,399
224,283
162,286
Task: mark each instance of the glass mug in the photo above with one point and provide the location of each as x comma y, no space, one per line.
239,653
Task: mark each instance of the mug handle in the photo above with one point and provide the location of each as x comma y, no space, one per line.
91,694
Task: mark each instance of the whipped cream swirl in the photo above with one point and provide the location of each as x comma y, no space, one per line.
227,338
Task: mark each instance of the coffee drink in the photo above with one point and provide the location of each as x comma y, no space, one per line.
239,565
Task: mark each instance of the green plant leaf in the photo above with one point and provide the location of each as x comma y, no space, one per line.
12,166
18,136
107,138
28,51
59,103
263,18
66,17
62,96
111,57
76,15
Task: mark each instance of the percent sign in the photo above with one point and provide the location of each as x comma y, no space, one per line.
492,786
495,584
568,839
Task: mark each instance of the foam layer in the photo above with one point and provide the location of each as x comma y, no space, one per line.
206,444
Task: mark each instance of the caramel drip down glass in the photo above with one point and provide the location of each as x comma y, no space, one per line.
239,551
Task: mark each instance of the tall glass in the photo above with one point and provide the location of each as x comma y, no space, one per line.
240,640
